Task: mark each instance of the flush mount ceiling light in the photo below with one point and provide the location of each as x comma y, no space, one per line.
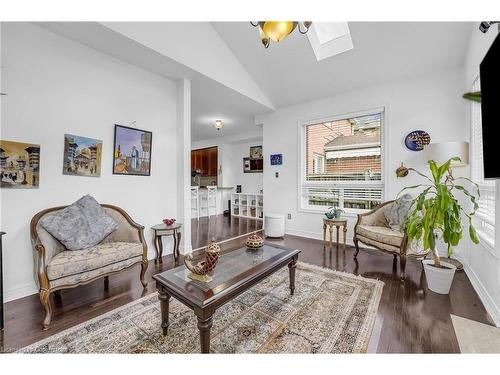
218,124
278,30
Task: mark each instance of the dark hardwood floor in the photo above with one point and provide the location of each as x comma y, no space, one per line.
410,318
220,228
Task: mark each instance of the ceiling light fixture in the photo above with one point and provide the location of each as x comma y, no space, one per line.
218,124
279,30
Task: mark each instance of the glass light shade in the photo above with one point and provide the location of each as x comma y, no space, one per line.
278,30
442,152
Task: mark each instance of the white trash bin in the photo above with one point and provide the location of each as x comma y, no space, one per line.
274,225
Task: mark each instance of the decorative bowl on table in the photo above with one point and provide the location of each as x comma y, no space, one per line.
200,270
333,213
254,242
169,222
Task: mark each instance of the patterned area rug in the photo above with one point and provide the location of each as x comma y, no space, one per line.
331,312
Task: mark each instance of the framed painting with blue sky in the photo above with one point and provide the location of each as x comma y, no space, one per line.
82,156
132,151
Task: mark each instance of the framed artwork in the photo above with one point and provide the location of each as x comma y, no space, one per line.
19,165
276,159
132,151
417,140
256,152
82,156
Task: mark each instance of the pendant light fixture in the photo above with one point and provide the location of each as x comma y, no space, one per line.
279,30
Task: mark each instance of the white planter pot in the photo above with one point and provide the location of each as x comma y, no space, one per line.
439,279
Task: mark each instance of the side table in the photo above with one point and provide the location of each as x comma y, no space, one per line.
161,230
337,223
1,285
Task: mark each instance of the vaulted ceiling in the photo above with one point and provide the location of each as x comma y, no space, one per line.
234,78
288,73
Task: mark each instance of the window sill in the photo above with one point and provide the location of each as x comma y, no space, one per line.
320,212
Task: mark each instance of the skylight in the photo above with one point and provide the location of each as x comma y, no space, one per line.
329,39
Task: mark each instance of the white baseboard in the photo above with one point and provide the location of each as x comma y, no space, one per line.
20,291
313,235
484,296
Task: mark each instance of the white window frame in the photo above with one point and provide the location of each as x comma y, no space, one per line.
302,183
487,240
316,158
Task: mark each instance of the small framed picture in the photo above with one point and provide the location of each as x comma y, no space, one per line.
276,159
132,151
256,152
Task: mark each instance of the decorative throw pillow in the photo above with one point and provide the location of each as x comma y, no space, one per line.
396,213
81,225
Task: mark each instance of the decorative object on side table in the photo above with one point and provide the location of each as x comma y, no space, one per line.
169,222
200,271
19,165
437,211
402,171
1,285
254,242
417,140
160,230
333,212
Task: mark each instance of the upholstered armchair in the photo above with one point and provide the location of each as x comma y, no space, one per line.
373,229
57,268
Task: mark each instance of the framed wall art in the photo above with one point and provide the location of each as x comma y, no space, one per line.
19,165
132,151
276,159
82,156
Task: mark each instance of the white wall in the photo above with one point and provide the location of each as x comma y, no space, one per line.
481,261
58,86
250,182
198,46
432,103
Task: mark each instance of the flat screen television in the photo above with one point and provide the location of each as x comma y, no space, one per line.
490,110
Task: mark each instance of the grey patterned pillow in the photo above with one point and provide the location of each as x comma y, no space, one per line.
81,225
396,213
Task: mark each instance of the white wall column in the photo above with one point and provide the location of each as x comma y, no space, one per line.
184,161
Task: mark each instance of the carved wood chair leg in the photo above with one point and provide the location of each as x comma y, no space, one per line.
357,248
144,267
45,300
106,283
402,263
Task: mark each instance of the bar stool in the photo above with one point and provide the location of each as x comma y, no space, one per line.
195,201
211,200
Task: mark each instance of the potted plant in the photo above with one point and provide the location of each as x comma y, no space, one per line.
437,212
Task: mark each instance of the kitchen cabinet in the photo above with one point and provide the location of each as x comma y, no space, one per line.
205,160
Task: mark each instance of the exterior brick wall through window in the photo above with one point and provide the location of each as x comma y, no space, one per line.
342,151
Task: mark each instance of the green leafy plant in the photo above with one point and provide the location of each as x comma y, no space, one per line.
436,211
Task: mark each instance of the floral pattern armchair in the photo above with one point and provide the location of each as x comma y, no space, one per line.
57,268
373,229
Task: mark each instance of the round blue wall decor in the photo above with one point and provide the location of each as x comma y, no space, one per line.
417,140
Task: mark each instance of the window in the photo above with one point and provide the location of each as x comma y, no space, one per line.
342,163
485,216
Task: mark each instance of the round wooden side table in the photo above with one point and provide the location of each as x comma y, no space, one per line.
161,230
337,223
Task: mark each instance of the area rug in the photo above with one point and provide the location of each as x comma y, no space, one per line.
330,312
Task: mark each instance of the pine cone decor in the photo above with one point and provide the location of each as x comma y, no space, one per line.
200,270
254,242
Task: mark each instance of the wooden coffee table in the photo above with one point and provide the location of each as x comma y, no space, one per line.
236,272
